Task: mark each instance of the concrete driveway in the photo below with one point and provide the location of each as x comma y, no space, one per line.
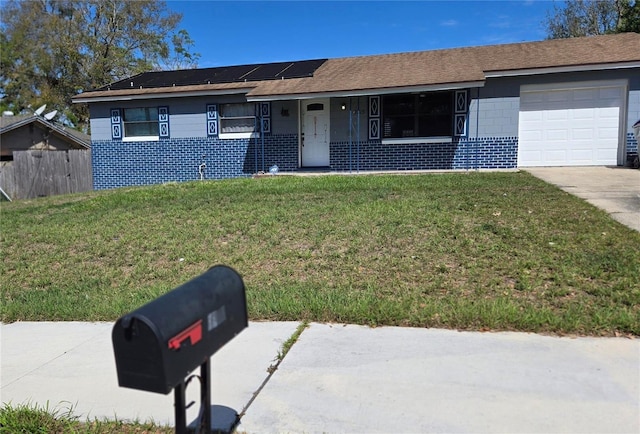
613,189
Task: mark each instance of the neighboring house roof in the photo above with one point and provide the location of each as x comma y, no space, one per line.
424,70
10,123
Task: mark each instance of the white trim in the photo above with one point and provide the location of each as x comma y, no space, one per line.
416,140
178,94
141,139
573,85
559,69
366,92
227,136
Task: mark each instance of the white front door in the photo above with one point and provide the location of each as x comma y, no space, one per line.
315,133
570,125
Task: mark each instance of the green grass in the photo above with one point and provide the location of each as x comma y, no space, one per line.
34,419
478,251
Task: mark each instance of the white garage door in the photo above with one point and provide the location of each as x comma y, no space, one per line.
577,126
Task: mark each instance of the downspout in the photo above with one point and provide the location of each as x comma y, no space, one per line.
262,137
255,141
468,143
300,134
350,135
358,137
477,128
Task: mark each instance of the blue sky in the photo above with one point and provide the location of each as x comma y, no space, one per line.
241,32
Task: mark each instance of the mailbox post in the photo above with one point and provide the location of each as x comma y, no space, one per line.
157,346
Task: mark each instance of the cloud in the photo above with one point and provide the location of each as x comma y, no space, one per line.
449,23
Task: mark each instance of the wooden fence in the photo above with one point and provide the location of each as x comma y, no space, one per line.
46,173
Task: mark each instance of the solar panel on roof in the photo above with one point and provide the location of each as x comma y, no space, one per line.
305,68
218,75
266,72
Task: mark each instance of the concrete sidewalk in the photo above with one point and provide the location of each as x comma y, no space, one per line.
344,378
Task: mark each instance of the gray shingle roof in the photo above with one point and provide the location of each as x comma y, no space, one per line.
8,123
444,68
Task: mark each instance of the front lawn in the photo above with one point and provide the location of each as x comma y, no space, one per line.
479,251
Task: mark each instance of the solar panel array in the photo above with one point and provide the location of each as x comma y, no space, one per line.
225,74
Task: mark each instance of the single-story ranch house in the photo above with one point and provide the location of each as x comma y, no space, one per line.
551,103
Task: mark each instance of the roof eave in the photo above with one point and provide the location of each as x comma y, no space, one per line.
17,124
561,69
157,95
53,127
72,138
365,92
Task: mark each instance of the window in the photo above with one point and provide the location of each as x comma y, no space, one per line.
237,120
417,115
141,123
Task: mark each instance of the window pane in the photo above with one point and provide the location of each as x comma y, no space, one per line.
417,115
239,110
141,114
399,104
433,126
239,125
140,122
237,118
399,126
135,129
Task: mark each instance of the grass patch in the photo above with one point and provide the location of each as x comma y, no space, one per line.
475,251
33,419
286,346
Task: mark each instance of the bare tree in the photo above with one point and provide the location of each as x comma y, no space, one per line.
592,17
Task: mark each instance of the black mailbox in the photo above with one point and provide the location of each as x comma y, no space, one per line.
159,344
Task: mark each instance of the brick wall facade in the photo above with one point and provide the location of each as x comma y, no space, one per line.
118,164
483,153
632,144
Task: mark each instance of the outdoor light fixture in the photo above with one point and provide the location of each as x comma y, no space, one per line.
343,107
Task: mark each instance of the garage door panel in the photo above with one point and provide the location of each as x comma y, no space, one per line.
556,135
582,134
531,155
608,134
612,94
604,157
533,136
535,97
587,114
556,155
559,96
556,115
577,126
585,94
581,131
581,154
608,113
